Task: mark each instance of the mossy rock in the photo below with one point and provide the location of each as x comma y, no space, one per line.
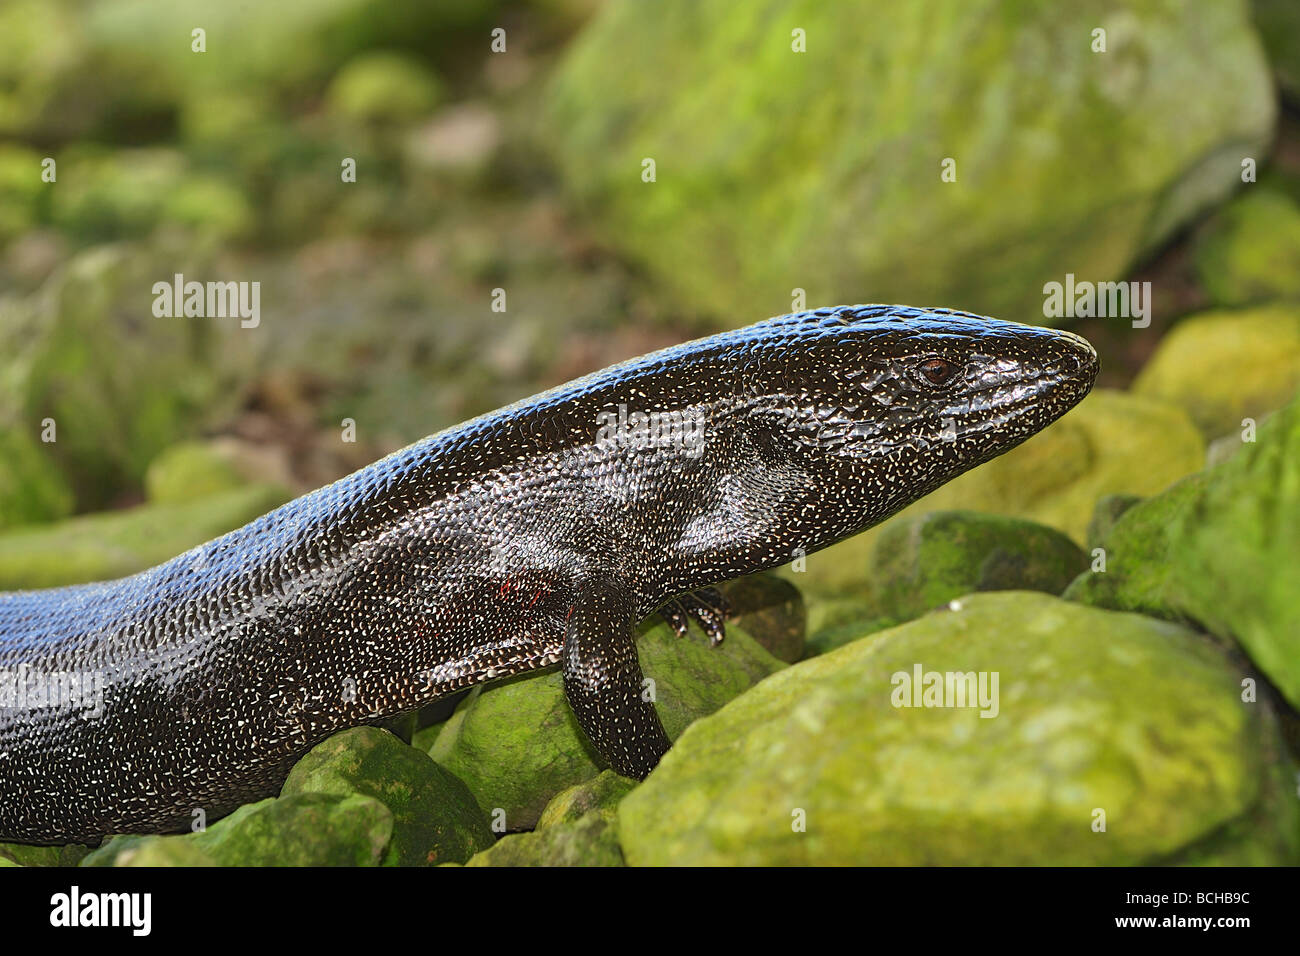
602,792
1219,549
168,379
741,211
516,743
303,829
926,561
1250,251
1226,366
1097,718
435,818
24,855
592,840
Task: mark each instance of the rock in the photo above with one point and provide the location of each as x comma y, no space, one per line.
1111,443
24,855
384,87
771,611
925,561
599,794
435,818
163,851
1250,251
189,471
32,489
1279,28
1219,549
1226,366
516,743
922,561
846,144
304,829
169,378
1096,712
1110,508
591,840
100,547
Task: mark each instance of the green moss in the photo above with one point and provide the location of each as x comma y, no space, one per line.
1225,366
1095,711
435,818
602,792
305,829
590,841
760,191
1250,252
1219,549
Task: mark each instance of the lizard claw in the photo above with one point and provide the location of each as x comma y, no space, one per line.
706,605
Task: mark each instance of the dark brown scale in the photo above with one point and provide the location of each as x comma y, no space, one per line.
518,540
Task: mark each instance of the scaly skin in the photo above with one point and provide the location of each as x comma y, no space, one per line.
525,537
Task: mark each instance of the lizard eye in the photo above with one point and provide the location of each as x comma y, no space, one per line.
936,371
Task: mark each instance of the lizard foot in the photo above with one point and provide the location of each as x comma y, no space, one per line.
706,605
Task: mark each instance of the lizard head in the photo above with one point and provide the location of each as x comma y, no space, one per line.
901,400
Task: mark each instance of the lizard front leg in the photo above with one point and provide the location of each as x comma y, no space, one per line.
603,683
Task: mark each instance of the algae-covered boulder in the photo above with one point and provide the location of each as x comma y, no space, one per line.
99,547
24,855
794,146
577,828
1250,252
1109,509
117,383
32,489
1279,28
1112,443
435,818
1225,366
770,610
591,840
1109,739
923,561
304,829
1220,549
516,743
599,794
